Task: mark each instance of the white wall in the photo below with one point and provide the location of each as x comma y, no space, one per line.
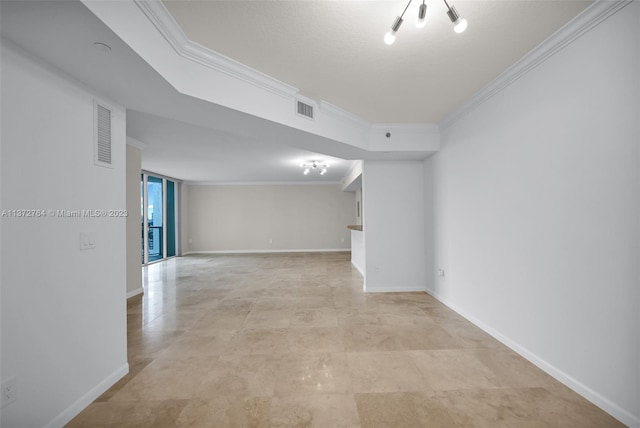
184,218
63,310
358,257
537,215
180,224
134,241
429,230
247,217
393,223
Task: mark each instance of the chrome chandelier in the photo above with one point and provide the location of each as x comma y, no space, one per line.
459,24
314,166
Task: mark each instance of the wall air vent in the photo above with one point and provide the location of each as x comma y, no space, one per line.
305,110
102,136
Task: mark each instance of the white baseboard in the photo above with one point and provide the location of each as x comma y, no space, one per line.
325,250
133,293
591,395
403,289
72,411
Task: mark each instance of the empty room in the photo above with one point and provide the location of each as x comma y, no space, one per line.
323,213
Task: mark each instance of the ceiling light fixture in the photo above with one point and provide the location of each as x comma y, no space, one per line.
314,166
460,24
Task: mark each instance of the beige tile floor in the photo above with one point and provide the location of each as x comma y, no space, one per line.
291,340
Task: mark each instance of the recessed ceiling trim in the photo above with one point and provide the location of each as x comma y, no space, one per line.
585,21
330,121
162,19
164,22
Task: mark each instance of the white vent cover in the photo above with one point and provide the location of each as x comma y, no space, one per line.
305,110
102,136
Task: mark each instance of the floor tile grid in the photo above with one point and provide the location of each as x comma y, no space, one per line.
291,340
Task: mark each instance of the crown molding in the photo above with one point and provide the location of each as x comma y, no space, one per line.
585,21
311,250
164,22
155,174
262,183
136,143
356,167
425,127
342,114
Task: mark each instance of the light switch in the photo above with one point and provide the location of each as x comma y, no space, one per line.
86,241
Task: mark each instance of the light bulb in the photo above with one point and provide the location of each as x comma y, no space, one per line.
306,171
323,171
420,23
390,37
461,25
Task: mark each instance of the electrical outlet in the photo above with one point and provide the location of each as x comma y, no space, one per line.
441,273
9,391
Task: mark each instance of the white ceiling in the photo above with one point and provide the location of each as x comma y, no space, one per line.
241,160
334,50
194,140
